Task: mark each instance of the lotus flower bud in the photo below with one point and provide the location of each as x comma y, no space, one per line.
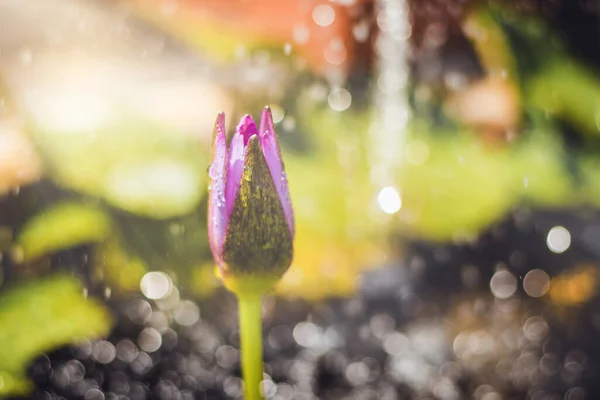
250,216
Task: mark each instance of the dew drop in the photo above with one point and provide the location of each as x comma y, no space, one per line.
212,171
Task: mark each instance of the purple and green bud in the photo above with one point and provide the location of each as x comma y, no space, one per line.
250,216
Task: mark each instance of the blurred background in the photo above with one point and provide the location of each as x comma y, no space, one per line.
443,159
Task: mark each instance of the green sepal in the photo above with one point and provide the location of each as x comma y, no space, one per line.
258,241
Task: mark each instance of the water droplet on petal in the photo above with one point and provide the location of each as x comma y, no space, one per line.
212,171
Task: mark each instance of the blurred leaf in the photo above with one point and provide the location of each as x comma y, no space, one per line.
62,226
117,268
14,385
157,188
202,280
590,172
178,246
40,316
134,164
457,189
540,168
551,79
327,266
167,244
530,40
565,88
462,186
331,193
490,43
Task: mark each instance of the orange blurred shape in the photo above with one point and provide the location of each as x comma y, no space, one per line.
318,30
574,287
489,104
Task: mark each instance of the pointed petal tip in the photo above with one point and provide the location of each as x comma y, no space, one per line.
247,128
220,118
219,128
266,122
267,113
246,120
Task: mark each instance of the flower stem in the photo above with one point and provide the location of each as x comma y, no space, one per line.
251,345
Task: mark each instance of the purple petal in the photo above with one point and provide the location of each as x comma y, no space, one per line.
247,128
217,221
272,154
235,165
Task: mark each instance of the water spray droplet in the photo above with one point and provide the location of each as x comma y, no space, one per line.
389,200
339,99
323,15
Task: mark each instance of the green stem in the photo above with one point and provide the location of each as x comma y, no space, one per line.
251,344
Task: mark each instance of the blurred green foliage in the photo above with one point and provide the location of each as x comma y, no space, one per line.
332,195
465,184
151,185
131,163
40,316
63,226
151,181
